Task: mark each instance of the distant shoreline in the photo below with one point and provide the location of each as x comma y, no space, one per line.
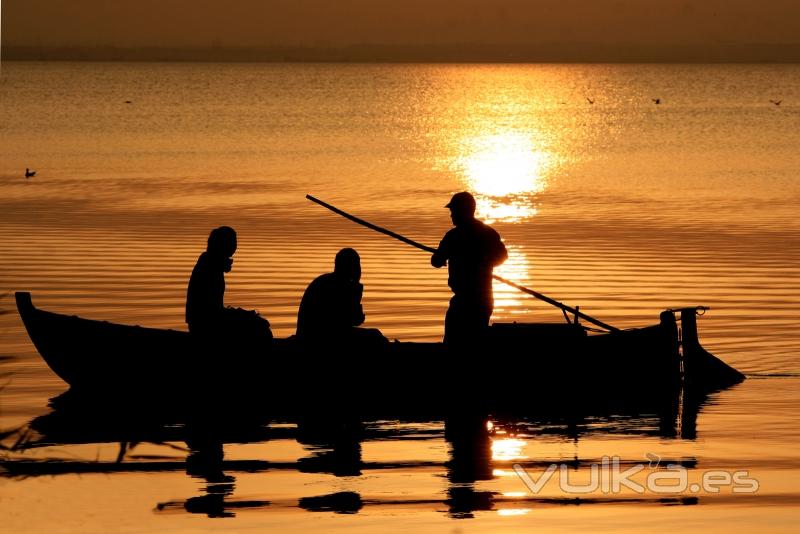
465,53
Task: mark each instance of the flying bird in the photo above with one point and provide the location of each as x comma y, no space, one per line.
589,100
128,102
29,173
657,101
776,102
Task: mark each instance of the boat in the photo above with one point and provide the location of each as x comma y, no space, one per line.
531,368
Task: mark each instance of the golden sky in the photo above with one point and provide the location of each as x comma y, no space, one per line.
339,23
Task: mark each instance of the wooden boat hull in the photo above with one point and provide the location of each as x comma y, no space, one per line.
526,368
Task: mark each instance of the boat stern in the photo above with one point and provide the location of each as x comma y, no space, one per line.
701,369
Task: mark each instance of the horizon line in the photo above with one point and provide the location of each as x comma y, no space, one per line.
390,53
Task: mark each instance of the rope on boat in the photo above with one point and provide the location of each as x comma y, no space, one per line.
698,310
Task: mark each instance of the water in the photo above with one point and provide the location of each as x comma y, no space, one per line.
624,207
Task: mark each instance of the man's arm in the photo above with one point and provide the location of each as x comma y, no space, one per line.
439,258
360,317
499,253
356,312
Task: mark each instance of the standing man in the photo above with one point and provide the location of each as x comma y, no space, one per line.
471,250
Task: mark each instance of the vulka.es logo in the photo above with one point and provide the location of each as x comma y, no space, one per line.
609,477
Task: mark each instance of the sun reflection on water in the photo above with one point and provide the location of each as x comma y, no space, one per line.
505,170
515,268
510,512
507,449
502,164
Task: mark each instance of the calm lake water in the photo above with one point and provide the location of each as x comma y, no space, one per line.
622,206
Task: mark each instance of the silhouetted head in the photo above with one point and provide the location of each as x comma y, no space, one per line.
462,208
222,244
348,264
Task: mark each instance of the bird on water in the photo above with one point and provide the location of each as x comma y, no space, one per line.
29,173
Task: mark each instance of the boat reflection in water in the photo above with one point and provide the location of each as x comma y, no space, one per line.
205,460
481,452
615,391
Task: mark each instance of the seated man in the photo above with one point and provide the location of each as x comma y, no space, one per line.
331,306
206,313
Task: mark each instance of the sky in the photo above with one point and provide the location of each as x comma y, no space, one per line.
341,23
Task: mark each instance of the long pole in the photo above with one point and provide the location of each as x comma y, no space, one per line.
426,248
